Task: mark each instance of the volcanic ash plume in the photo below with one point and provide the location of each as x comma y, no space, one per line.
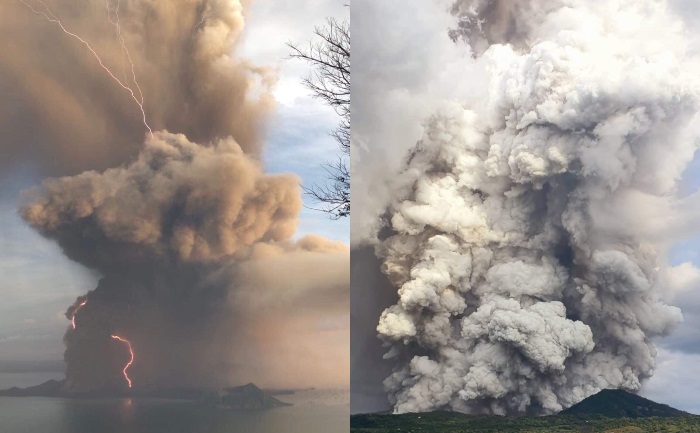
179,236
200,273
524,240
65,113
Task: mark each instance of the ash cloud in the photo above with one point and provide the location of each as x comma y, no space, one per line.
482,23
196,246
64,114
178,201
526,232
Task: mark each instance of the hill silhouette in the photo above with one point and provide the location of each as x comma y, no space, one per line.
50,388
616,403
246,397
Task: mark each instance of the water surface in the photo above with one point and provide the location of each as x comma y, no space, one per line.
312,412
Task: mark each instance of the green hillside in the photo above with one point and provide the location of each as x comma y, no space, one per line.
447,422
610,411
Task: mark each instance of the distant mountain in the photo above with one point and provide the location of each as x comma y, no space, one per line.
246,397
57,388
616,403
50,388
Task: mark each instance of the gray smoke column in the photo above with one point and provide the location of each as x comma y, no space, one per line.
523,237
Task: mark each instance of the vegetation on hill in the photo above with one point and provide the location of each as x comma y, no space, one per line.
610,411
448,422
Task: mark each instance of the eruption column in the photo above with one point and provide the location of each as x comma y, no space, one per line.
49,15
131,361
526,232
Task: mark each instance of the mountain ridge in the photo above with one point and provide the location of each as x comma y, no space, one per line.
245,397
617,403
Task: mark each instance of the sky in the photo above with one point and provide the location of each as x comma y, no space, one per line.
295,143
409,66
38,282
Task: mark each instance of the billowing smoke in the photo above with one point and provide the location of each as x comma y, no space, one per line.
199,271
195,245
483,23
524,237
64,113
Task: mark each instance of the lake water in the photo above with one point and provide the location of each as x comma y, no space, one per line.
315,411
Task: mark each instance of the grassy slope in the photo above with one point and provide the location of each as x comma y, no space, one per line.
445,422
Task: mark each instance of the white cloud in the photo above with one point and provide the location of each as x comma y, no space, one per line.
680,279
676,381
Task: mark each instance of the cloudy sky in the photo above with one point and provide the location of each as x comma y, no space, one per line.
38,282
414,67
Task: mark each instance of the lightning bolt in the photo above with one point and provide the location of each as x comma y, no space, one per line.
131,361
125,50
201,21
50,16
75,312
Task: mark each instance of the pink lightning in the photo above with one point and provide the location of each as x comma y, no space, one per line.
49,15
125,50
75,312
131,361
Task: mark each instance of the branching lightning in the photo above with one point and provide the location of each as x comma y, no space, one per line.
47,13
123,46
75,312
116,337
131,361
199,24
125,50
50,16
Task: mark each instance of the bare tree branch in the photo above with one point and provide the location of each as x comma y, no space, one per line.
329,56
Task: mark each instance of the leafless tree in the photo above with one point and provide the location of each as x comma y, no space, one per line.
328,53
